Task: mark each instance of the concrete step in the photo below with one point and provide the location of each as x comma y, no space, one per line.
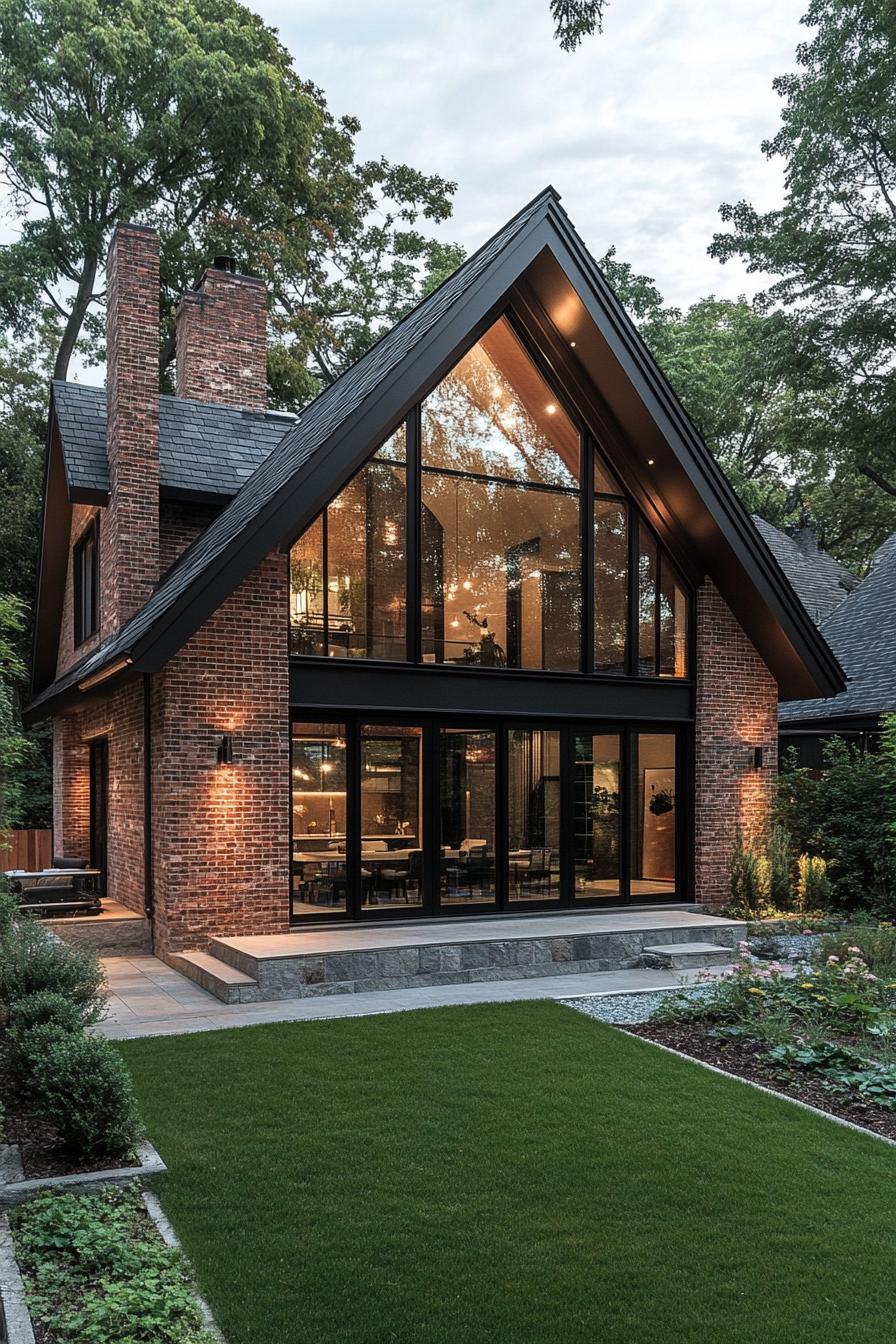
688,956
225,982
295,966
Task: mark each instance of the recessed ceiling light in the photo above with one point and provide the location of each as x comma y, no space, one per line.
551,408
573,344
650,461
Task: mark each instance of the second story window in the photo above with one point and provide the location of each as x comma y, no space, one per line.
86,564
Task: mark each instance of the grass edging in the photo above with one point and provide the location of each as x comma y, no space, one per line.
748,1082
150,1163
169,1236
15,1317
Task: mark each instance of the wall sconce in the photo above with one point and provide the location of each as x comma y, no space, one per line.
225,750
757,758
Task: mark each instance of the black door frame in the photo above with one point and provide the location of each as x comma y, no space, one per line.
98,808
430,765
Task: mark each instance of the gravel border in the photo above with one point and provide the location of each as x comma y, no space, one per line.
618,1009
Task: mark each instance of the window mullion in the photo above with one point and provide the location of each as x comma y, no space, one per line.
587,498
413,569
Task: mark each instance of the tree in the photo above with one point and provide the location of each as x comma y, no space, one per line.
764,404
189,115
576,19
830,250
14,749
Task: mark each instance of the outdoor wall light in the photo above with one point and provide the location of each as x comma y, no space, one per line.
225,750
757,758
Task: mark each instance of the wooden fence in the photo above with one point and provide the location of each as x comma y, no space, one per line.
25,849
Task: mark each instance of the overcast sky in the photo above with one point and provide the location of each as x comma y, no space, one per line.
644,130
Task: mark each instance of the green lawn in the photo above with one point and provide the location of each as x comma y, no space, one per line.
509,1173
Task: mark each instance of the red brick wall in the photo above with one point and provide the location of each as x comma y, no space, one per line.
129,542
179,526
222,341
118,717
82,515
221,833
736,710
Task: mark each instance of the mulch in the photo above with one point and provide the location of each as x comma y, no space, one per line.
743,1059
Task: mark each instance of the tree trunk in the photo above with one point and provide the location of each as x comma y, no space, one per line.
81,303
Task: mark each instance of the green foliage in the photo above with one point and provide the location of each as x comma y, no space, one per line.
876,947
575,20
32,960
46,1006
96,1271
813,883
845,816
189,115
79,1085
13,746
749,876
780,864
830,249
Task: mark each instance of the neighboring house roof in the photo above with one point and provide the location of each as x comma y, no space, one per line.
862,633
680,486
819,581
205,451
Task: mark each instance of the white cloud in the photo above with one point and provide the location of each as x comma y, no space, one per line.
644,131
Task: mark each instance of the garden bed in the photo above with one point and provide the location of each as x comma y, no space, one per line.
744,1059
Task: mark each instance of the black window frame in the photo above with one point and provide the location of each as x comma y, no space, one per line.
86,583
590,443
431,726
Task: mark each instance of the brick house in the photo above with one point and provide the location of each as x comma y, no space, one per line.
484,630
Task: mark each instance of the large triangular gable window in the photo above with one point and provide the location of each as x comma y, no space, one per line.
484,513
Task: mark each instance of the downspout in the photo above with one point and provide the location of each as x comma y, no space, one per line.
147,801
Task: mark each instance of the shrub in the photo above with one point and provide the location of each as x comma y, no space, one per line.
749,879
780,863
877,948
31,959
46,1005
846,817
813,885
81,1086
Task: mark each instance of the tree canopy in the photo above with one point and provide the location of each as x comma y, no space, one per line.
189,115
829,251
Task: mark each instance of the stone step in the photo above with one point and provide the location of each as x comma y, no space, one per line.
296,966
214,975
688,956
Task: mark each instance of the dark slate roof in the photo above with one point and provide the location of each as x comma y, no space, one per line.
203,449
862,633
318,422
819,581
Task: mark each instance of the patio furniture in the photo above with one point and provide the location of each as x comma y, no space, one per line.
70,885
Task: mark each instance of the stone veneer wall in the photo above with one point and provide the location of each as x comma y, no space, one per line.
221,833
118,717
736,710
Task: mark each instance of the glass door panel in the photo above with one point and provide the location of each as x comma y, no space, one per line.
318,765
654,826
533,815
467,798
391,818
596,815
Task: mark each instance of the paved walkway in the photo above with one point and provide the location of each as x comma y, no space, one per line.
148,998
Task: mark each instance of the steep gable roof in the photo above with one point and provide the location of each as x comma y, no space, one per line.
862,633
819,581
339,428
206,452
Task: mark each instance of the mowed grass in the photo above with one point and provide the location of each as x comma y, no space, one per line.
511,1172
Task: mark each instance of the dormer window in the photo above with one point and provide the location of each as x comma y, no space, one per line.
86,569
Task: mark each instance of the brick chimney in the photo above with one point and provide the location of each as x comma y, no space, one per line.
129,533
221,339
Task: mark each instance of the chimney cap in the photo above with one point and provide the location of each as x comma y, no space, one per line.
224,263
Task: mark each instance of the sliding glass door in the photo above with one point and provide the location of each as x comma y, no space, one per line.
396,819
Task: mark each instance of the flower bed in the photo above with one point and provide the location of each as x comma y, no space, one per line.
823,1033
95,1268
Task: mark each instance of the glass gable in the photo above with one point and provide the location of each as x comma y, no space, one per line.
506,528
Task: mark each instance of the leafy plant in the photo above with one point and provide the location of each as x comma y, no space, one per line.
31,959
748,879
876,947
81,1086
780,864
813,884
96,1271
